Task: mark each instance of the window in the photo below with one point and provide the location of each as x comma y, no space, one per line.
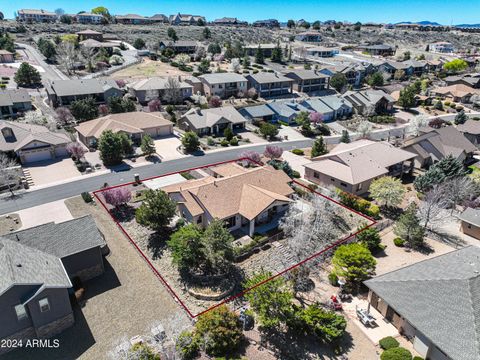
316,175
230,222
343,184
199,219
359,186
44,305
21,312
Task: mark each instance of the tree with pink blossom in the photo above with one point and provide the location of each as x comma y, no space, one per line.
64,116
76,150
273,152
250,157
120,83
215,102
117,196
316,118
154,105
103,109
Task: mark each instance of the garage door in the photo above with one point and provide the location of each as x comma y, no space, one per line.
160,131
38,155
61,151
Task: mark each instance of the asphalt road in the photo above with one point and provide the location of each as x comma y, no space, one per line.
66,190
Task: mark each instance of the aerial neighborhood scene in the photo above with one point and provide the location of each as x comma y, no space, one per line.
240,180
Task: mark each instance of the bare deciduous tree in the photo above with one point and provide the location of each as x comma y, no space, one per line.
459,189
432,210
173,93
88,54
364,129
9,172
67,56
417,123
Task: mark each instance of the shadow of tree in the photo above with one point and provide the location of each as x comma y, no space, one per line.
157,242
446,238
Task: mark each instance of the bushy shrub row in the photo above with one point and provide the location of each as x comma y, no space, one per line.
359,204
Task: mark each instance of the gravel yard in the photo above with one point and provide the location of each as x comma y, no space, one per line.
9,223
125,301
147,68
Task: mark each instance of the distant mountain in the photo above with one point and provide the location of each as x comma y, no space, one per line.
468,25
419,23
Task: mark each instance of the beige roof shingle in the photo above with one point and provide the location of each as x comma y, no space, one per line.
247,193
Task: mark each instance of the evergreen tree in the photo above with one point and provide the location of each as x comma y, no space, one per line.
319,147
172,34
376,79
111,148
407,98
408,227
277,54
259,57
84,109
461,118
207,34
147,146
338,81
345,138
156,211
27,76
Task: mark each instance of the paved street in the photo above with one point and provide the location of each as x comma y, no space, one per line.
50,73
38,197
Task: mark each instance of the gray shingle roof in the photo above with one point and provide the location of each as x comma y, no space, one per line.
440,297
202,118
268,77
26,133
470,216
62,239
222,78
10,97
21,264
82,86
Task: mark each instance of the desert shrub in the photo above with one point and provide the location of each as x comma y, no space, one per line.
234,141
188,345
87,197
298,152
210,141
399,242
397,353
333,279
224,142
388,343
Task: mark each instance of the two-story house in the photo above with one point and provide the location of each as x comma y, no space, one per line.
34,15
224,85
308,81
14,103
270,84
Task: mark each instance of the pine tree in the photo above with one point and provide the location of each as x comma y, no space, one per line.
147,146
461,118
408,227
319,147
345,138
27,75
277,54
259,57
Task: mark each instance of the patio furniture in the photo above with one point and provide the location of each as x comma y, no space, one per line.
365,317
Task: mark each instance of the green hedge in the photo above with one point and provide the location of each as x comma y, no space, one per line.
359,204
397,353
388,343
298,152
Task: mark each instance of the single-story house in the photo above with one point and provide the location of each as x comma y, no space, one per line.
307,81
352,167
267,49
224,85
472,80
432,145
228,21
457,93
258,113
155,88
309,36
179,46
391,67
243,198
133,19
14,102
332,107
268,23
37,267
186,19
6,56
471,130
377,50
418,67
370,99
95,44
470,222
64,92
441,47
321,51
134,124
159,18
434,303
270,84
212,121
31,142
90,34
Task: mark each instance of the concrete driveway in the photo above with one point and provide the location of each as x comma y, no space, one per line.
55,211
296,162
51,171
166,147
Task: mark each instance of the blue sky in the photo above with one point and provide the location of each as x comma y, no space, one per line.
442,11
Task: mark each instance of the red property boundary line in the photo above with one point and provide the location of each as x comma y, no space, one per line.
236,296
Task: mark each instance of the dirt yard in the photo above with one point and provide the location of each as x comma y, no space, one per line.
125,301
9,223
148,68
